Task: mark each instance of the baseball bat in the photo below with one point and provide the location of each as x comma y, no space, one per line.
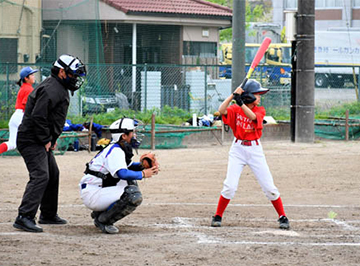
259,54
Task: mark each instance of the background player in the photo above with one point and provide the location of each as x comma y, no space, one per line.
109,186
27,79
246,121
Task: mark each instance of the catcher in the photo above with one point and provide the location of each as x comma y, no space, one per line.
109,186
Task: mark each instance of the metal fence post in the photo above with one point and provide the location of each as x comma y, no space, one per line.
205,96
152,143
145,87
358,81
7,98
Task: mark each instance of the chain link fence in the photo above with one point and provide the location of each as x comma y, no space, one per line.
195,88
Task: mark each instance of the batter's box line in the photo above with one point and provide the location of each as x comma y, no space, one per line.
212,204
206,239
250,205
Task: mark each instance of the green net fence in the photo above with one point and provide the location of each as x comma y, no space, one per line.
168,136
63,142
335,129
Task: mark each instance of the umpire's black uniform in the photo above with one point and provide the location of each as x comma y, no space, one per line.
43,122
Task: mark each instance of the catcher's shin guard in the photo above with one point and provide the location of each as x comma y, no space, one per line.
130,199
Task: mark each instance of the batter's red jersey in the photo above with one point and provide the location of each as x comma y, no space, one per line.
22,96
243,128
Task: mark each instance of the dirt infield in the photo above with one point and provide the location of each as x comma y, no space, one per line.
319,184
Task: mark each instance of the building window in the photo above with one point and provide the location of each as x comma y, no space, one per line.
291,4
328,3
200,49
8,54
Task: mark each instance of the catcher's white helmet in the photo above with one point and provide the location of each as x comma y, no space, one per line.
121,126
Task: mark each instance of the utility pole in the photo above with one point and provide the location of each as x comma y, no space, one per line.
303,91
238,43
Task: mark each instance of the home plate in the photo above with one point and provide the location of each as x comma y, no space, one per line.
277,232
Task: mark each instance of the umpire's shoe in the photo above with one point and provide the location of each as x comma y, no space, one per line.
216,221
53,220
284,222
106,228
27,224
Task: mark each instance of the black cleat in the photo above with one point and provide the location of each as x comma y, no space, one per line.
216,221
284,222
95,214
27,224
106,228
54,220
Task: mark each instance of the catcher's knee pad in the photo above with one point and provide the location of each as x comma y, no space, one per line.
129,200
132,195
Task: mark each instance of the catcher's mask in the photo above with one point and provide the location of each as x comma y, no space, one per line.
125,126
72,65
252,87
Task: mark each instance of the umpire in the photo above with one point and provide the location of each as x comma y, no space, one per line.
43,121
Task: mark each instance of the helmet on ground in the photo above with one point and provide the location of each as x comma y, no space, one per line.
72,65
254,87
121,126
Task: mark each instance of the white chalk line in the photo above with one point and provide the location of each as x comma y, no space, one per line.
205,239
214,204
202,238
342,224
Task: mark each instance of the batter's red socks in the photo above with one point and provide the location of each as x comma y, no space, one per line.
223,203
3,147
278,205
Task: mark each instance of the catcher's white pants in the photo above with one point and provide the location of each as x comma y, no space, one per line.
253,156
14,124
98,198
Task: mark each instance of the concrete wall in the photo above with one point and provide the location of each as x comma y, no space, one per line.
24,24
196,34
72,40
278,132
270,133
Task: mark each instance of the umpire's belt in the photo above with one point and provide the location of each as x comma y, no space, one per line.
248,142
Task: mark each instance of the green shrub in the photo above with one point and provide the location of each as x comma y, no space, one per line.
168,115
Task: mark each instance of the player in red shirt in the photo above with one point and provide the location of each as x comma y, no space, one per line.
27,79
246,121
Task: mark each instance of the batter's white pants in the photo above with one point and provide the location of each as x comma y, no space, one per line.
98,198
14,124
253,156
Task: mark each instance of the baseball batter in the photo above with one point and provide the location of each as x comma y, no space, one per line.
109,186
246,121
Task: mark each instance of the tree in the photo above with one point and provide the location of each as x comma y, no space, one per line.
253,13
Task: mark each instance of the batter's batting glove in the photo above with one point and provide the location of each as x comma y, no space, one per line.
237,98
248,98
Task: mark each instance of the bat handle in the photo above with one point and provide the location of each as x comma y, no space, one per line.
251,70
243,83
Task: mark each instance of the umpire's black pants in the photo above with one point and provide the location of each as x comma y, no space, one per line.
43,186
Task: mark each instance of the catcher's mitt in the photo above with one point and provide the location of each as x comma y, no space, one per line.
148,160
